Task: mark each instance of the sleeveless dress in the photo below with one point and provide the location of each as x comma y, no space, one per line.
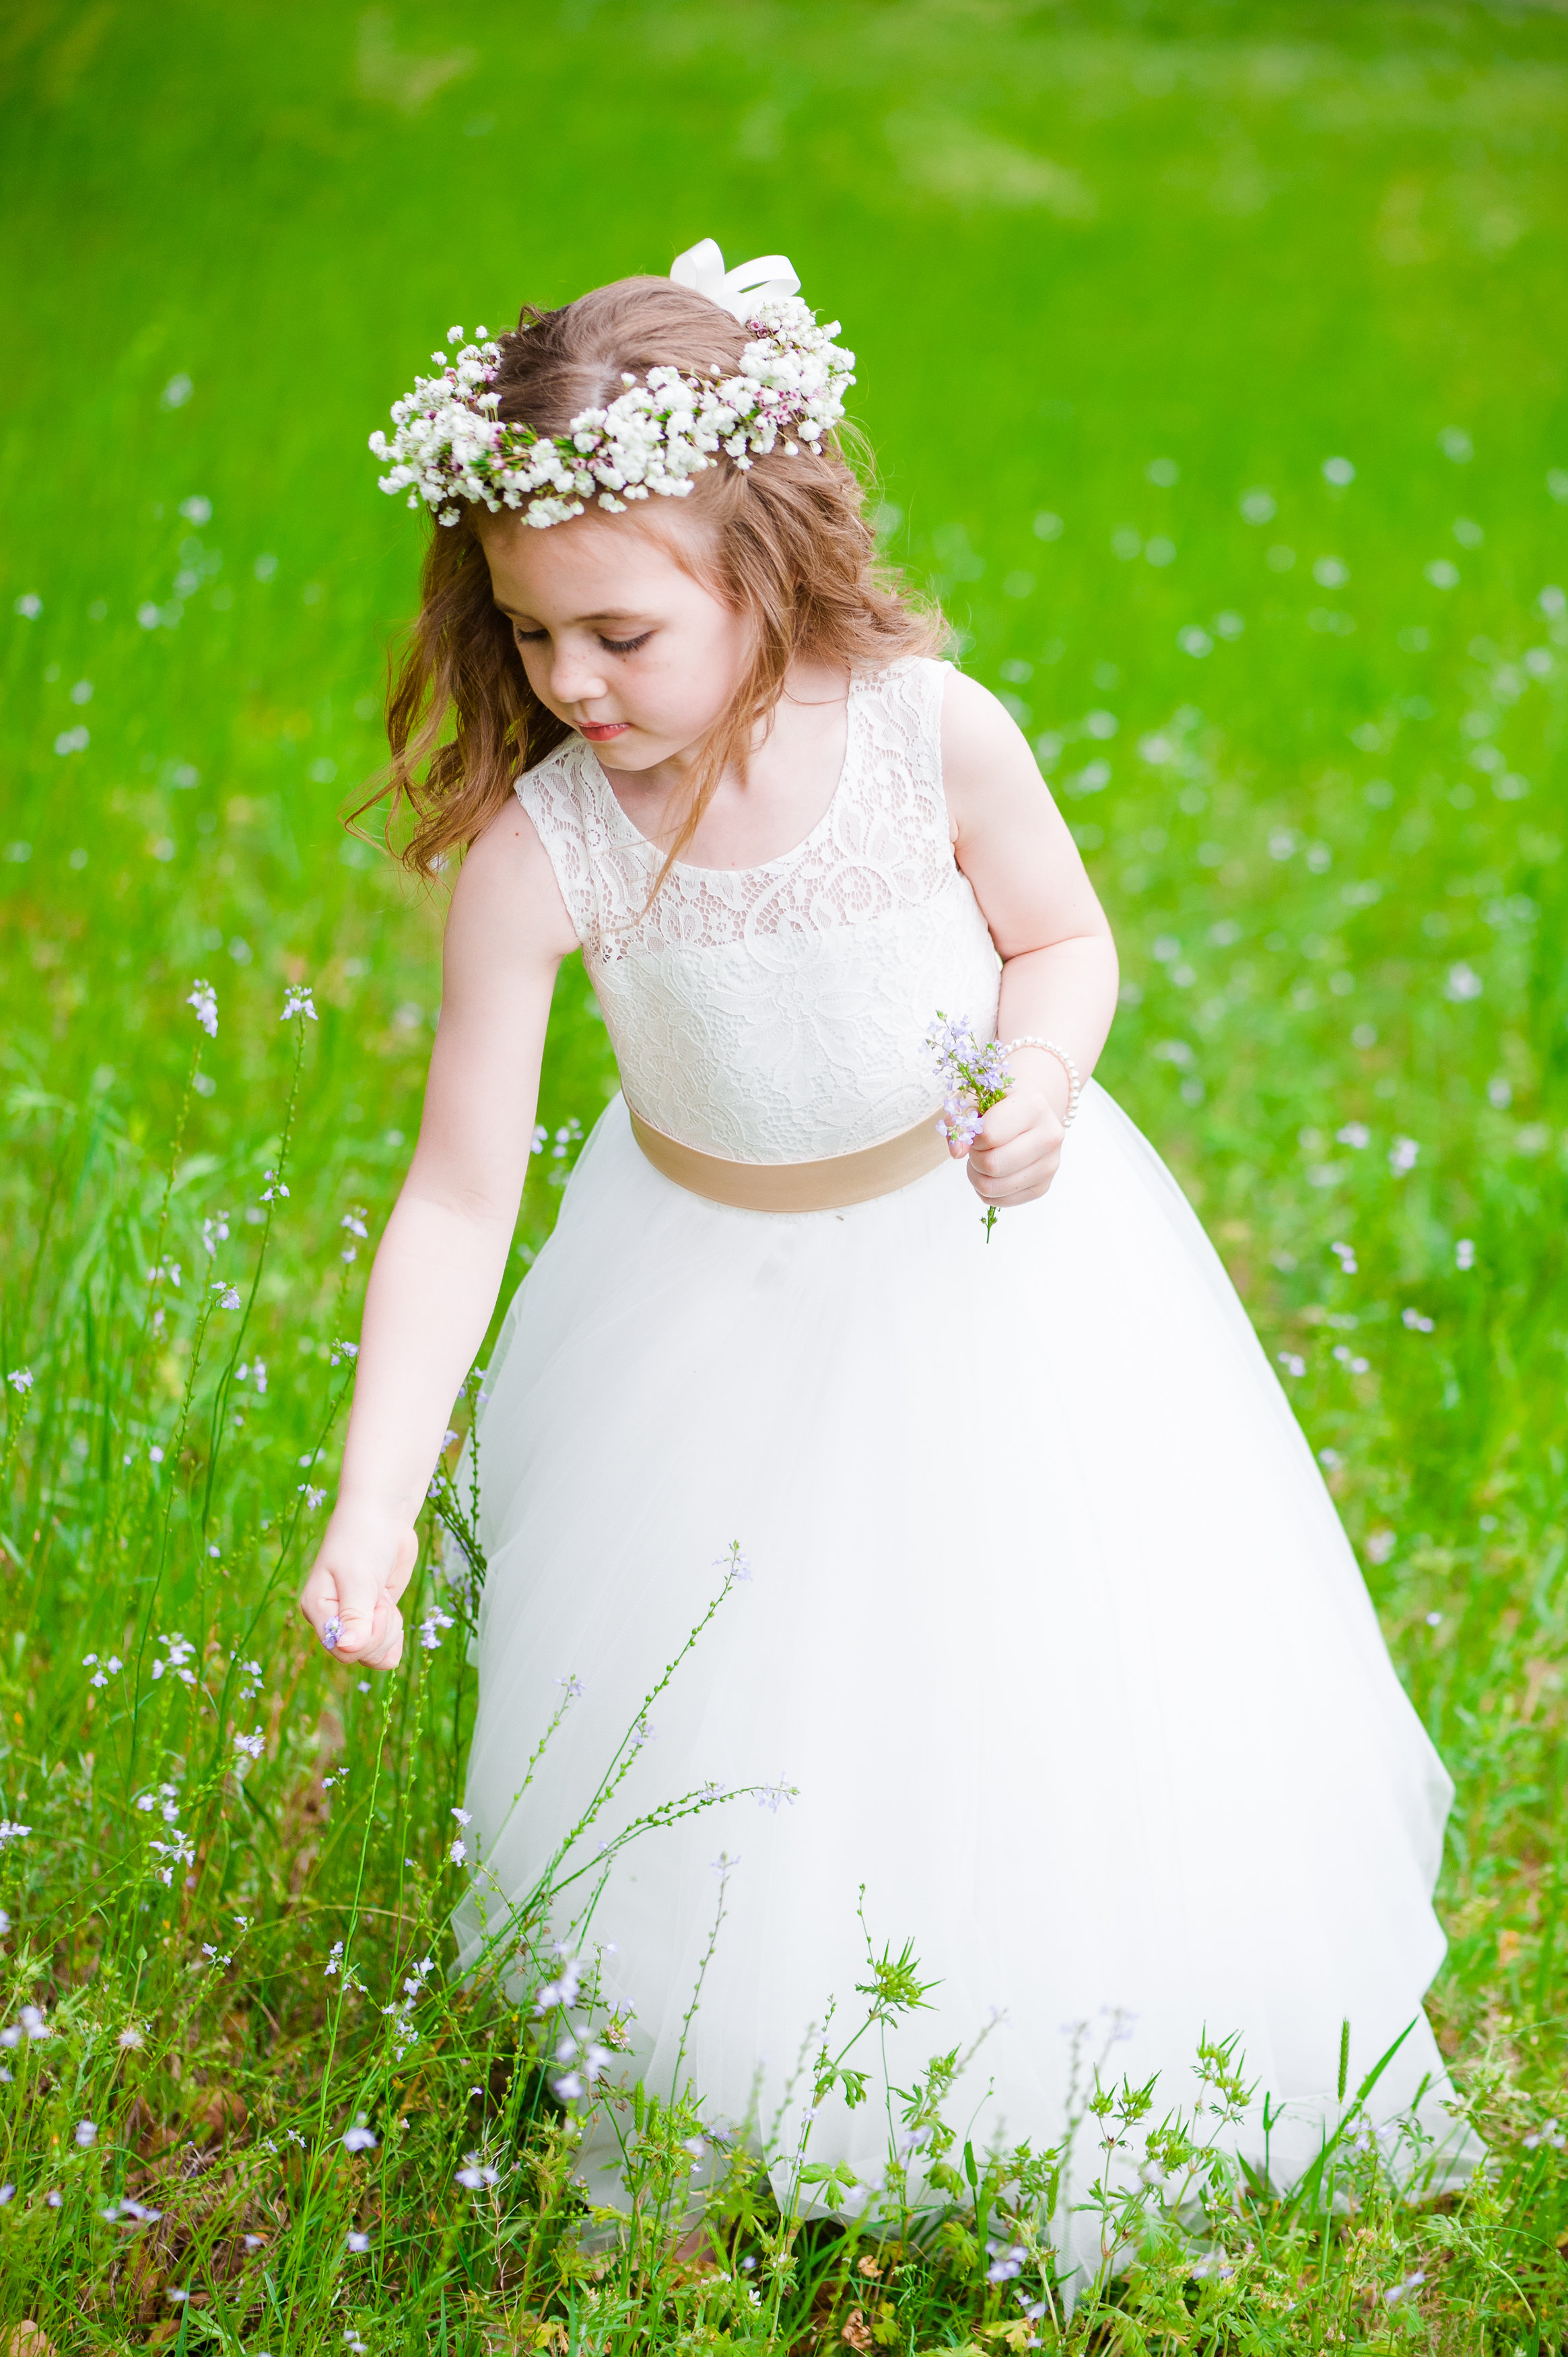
1051,1624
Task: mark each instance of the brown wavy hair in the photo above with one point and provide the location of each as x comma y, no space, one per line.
786,544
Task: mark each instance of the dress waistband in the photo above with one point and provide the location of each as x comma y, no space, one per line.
827,1186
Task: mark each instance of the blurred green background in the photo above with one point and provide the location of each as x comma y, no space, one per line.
1212,358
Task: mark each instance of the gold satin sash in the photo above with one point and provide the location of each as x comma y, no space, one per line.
831,1185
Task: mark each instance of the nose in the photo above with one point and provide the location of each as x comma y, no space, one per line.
574,676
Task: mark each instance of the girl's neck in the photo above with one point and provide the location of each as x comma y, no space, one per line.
791,778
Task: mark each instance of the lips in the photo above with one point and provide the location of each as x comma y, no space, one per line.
600,732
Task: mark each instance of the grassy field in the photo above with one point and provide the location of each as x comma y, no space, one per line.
1212,357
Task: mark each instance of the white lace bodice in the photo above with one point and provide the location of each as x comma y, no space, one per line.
778,1014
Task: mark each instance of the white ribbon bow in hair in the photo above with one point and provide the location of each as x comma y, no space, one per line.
702,267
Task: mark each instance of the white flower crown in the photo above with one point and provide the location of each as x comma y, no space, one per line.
449,445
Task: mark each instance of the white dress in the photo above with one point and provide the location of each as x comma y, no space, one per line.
1052,1624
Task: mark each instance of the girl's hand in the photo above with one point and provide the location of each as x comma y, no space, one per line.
366,1561
1015,1158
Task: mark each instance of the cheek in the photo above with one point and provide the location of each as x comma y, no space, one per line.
709,658
691,680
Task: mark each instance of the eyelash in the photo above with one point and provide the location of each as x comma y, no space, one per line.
611,646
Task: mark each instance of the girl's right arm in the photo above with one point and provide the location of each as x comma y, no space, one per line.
439,1265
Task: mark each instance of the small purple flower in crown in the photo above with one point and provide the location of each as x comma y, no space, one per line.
975,1077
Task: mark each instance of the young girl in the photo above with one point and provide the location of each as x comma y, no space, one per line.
1051,1640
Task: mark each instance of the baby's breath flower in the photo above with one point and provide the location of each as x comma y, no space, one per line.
657,434
204,999
297,1001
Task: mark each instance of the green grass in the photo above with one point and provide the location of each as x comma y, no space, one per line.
1067,243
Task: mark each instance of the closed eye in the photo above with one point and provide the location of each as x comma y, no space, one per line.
611,646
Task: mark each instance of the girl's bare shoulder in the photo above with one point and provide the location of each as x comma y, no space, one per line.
507,896
984,752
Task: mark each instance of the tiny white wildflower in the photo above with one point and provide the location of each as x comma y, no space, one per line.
204,999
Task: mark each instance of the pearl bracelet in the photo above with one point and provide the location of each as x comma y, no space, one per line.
1074,1084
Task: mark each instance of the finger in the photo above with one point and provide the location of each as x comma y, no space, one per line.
401,1571
387,1651
1002,1162
1008,1119
1019,1186
353,1633
319,1597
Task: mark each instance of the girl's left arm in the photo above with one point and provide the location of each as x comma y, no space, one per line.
1058,960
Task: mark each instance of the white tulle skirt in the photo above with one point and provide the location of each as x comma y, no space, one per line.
1052,1626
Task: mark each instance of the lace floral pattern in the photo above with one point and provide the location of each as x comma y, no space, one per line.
777,1014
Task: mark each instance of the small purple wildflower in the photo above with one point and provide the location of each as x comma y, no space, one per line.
975,1077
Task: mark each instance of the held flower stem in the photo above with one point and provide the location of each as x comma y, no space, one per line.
975,1077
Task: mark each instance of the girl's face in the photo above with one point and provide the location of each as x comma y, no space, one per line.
617,639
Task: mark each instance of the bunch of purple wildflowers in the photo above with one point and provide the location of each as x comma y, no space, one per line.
974,1078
